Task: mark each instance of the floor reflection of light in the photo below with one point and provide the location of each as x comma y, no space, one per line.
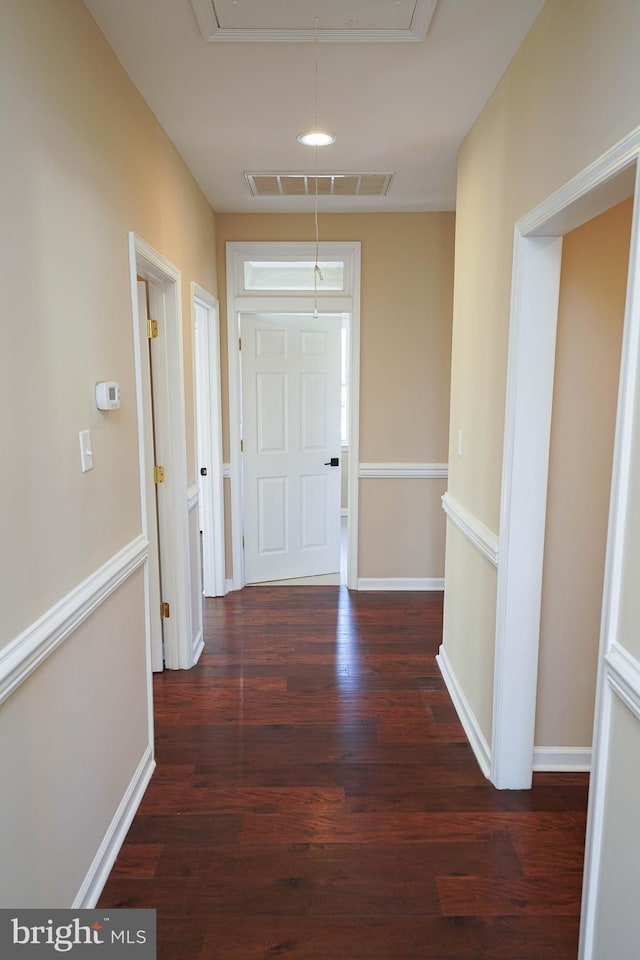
346,640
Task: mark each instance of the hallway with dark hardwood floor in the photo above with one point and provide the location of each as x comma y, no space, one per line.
315,799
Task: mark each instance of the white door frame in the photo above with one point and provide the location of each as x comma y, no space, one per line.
531,360
239,301
165,287
208,407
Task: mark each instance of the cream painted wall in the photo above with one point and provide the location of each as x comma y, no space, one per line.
567,96
83,161
590,319
71,738
405,358
391,549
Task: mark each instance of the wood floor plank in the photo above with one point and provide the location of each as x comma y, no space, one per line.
489,896
315,797
377,938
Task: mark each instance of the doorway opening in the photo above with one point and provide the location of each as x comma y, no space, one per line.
163,492
530,380
278,278
593,281
292,436
208,410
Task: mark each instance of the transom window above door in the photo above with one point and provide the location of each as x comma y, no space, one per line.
299,275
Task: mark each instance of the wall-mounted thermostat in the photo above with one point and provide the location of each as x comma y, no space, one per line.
108,395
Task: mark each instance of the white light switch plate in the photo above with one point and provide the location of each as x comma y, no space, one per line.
86,451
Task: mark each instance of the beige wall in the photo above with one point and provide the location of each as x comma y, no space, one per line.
568,95
593,286
83,162
405,349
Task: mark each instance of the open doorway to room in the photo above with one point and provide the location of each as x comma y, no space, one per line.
291,438
528,419
278,281
208,410
173,617
593,282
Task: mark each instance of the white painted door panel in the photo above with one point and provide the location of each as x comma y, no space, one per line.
291,429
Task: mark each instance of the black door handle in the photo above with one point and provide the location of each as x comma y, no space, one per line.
203,471
334,462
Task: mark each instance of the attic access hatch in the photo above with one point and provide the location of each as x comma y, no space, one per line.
341,21
329,184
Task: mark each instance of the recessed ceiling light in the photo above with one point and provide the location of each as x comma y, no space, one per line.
316,138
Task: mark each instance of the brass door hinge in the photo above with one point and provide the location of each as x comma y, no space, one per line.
239,343
152,329
241,447
165,610
158,474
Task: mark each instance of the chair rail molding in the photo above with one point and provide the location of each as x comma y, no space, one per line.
482,538
404,471
25,654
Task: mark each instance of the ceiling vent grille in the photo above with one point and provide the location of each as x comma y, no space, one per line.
329,184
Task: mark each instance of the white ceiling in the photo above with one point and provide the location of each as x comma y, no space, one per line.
400,107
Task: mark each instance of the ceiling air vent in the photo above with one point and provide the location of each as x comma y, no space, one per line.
329,184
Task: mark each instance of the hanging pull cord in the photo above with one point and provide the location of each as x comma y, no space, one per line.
317,272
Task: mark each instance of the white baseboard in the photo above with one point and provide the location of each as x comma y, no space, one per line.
401,583
562,759
105,858
476,738
228,586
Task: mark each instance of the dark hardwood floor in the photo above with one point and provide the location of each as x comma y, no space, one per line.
315,799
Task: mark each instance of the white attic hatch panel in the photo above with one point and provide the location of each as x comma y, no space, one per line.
346,21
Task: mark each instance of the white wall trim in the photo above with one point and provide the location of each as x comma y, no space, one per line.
523,504
623,676
476,738
401,583
402,471
105,858
198,646
482,538
562,759
601,171
24,654
193,497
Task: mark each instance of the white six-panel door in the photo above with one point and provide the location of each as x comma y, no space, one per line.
291,431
